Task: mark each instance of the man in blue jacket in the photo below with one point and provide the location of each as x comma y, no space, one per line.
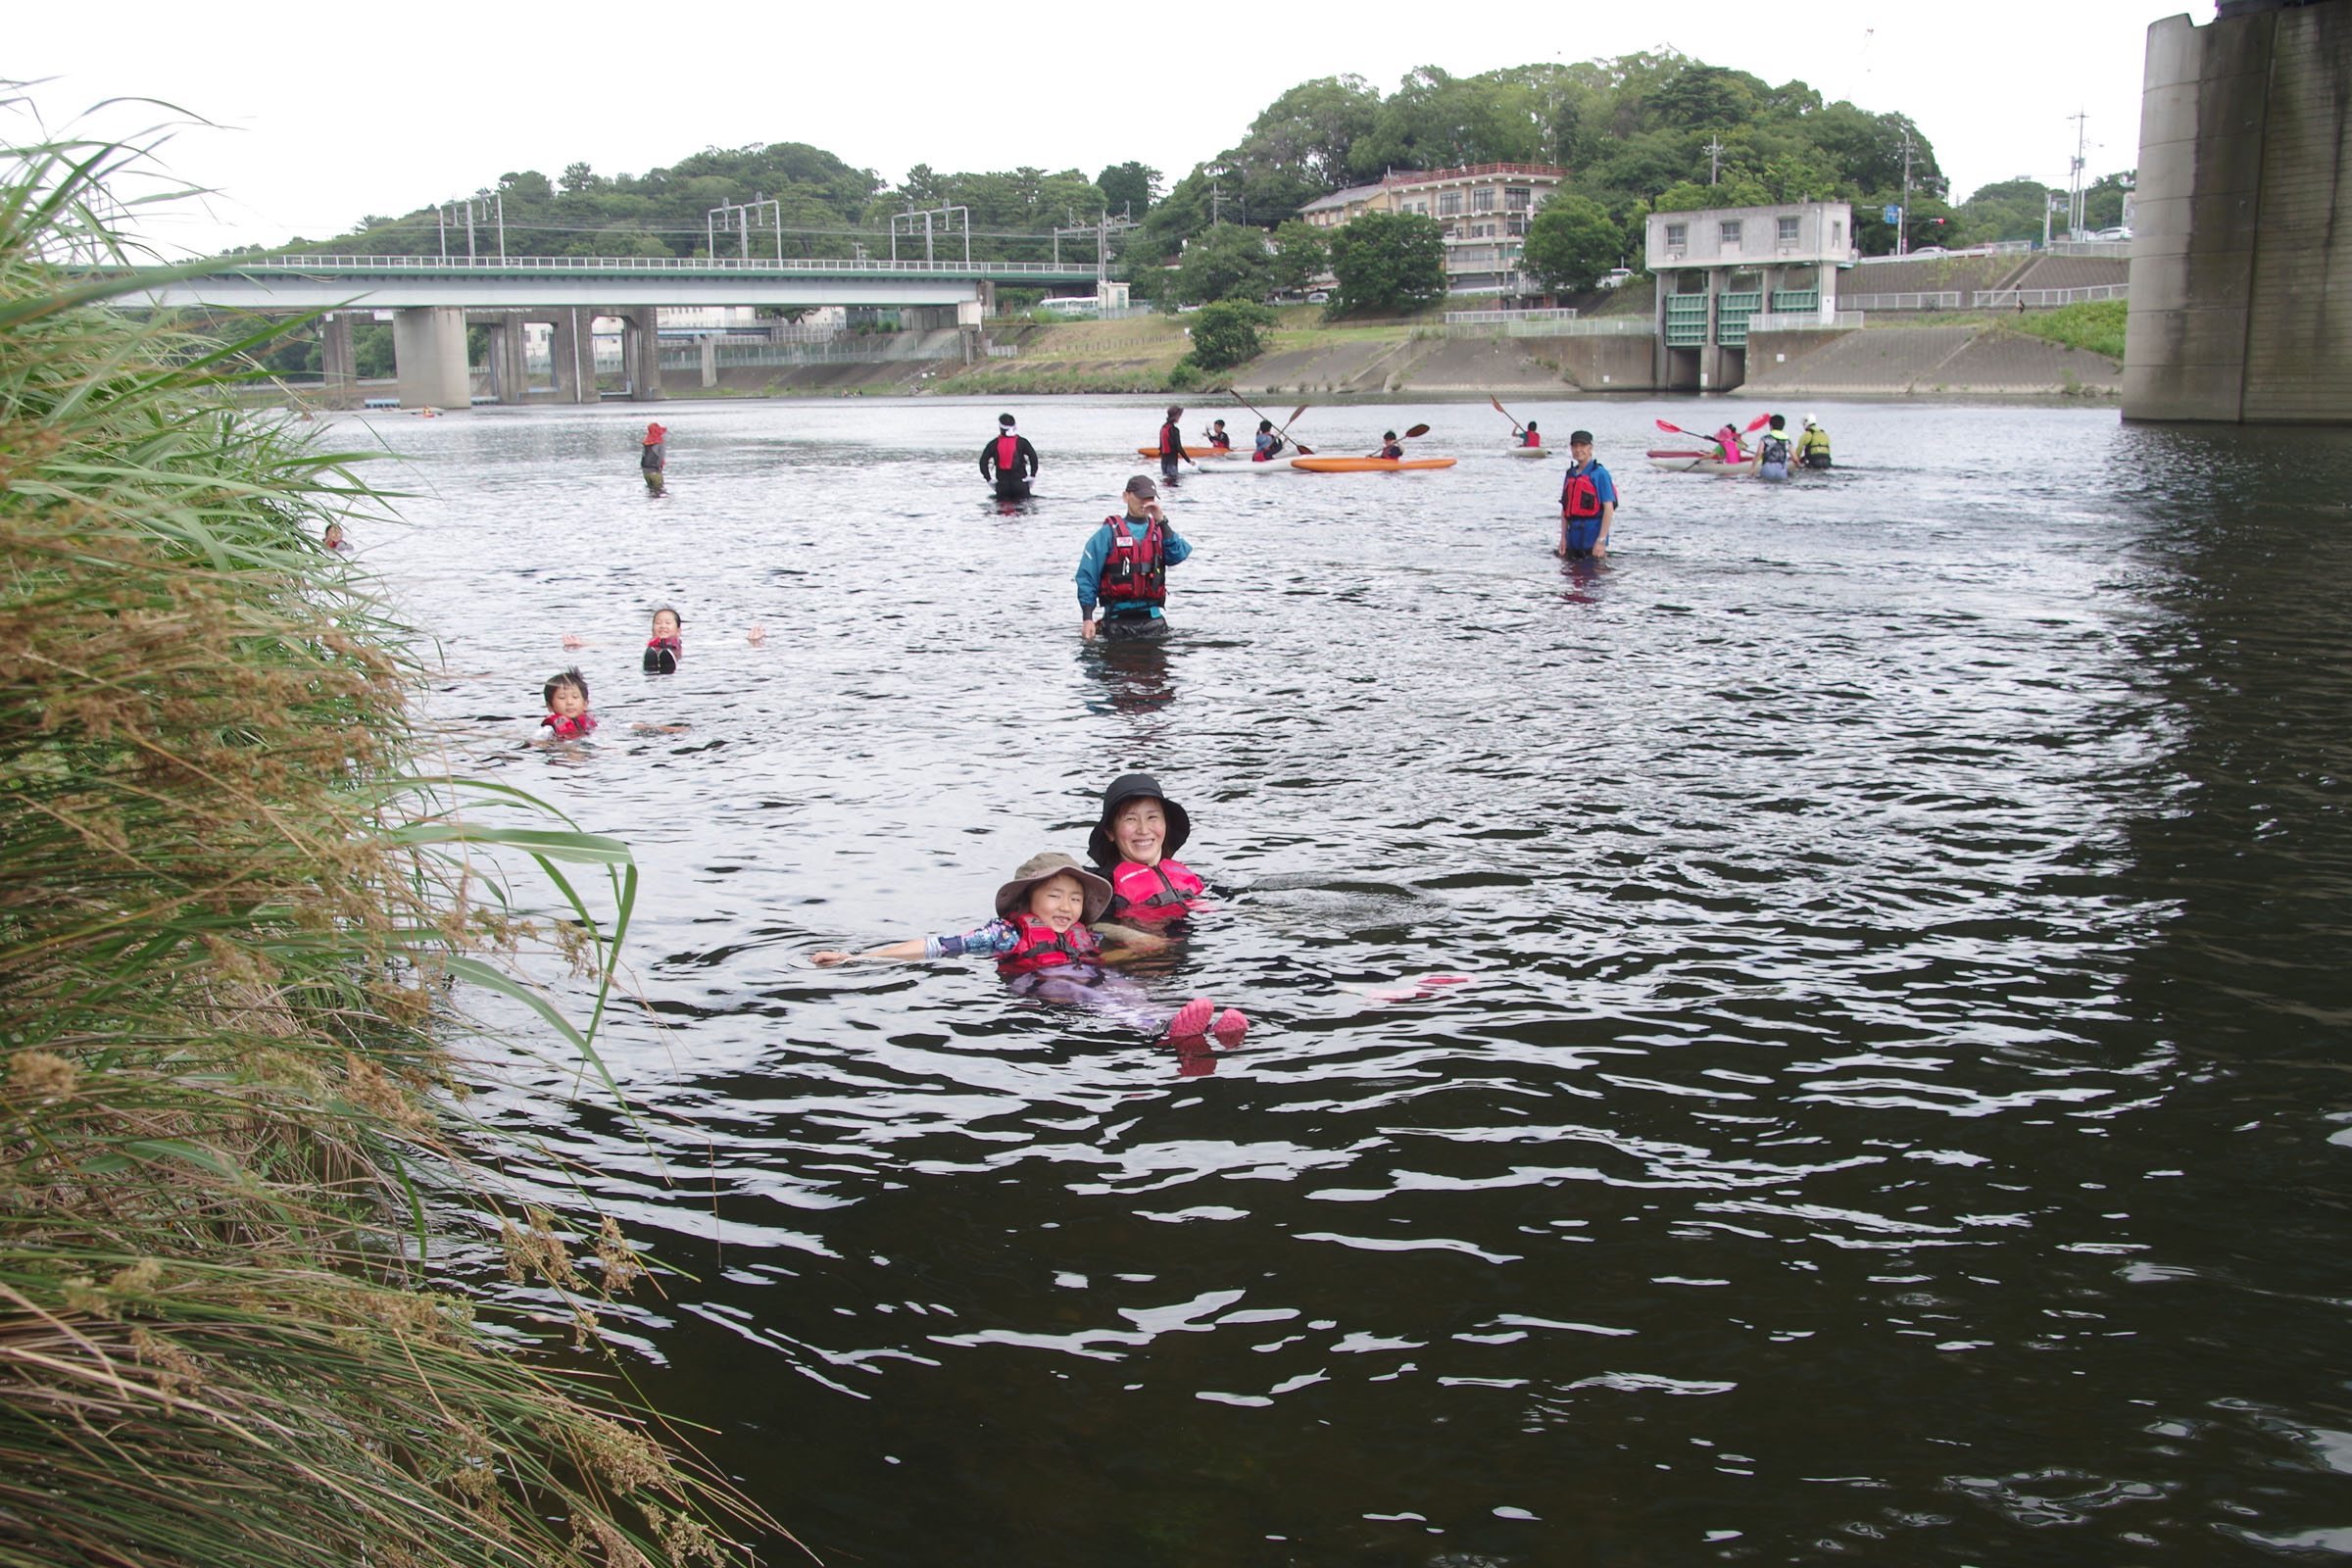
1125,567
1587,503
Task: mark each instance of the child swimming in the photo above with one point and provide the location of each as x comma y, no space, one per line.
568,705
1041,943
664,647
1132,845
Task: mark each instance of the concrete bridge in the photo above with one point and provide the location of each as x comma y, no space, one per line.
432,300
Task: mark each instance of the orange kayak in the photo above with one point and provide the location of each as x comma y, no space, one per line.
1194,452
1367,464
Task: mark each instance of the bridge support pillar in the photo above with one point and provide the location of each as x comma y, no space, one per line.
641,352
510,375
709,361
339,360
428,352
573,353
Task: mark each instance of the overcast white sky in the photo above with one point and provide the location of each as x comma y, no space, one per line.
330,112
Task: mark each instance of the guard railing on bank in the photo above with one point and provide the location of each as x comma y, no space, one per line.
1804,322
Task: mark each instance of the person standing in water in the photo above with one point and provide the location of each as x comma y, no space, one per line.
1008,461
1171,444
1774,451
1587,503
1125,566
1813,446
653,457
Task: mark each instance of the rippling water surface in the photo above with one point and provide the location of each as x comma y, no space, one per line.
1897,1106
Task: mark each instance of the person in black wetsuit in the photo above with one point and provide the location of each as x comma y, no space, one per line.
1008,461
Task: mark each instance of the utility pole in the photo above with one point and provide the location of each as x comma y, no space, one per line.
2075,200
1714,152
1902,230
500,200
1215,198
469,229
441,218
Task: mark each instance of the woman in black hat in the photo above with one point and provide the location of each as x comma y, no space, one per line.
1132,844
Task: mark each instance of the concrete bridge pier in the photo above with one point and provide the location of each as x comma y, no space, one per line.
573,351
339,360
428,353
641,352
510,376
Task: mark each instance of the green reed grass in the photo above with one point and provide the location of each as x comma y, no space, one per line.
232,909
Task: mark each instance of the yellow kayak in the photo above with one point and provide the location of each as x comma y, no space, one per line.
1367,464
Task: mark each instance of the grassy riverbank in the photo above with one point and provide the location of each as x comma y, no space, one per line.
234,907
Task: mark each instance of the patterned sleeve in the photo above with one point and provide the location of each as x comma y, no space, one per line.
996,937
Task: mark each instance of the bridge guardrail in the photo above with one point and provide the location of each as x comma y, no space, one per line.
717,265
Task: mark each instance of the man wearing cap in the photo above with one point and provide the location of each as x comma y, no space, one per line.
1125,567
1587,503
1171,444
653,457
1008,461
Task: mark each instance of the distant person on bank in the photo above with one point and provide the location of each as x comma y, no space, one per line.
1008,461
1587,503
1125,567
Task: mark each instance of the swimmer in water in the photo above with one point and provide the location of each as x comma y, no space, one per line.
665,646
1042,944
567,718
1132,844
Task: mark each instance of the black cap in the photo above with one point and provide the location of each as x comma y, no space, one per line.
1130,787
1005,420
1579,438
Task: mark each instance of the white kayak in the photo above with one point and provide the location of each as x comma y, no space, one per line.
1530,451
1709,460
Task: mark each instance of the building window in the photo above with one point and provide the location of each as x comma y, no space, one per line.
1482,200
1515,224
1450,203
1788,231
1518,198
1727,233
1678,237
1837,233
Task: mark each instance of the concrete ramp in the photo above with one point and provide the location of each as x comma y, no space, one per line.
1475,364
1354,367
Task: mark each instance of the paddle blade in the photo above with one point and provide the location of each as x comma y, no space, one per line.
1302,448
1416,430
1758,423
1675,429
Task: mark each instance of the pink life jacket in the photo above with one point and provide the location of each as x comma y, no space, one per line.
1041,949
1009,455
1152,893
568,729
1532,440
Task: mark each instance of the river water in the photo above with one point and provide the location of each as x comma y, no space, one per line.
1896,1109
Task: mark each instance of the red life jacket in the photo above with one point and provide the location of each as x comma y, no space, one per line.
1151,894
1223,443
568,729
1009,455
1134,572
1041,949
1171,440
1532,440
1580,497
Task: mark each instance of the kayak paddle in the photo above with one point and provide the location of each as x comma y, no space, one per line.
1516,427
1753,425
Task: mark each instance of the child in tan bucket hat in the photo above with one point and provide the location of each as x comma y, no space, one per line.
1040,942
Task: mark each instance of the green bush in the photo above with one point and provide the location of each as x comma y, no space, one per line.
2095,324
1226,334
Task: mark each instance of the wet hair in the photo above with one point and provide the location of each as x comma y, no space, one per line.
1220,424
1387,435
571,679
664,610
1777,422
1264,425
1531,425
